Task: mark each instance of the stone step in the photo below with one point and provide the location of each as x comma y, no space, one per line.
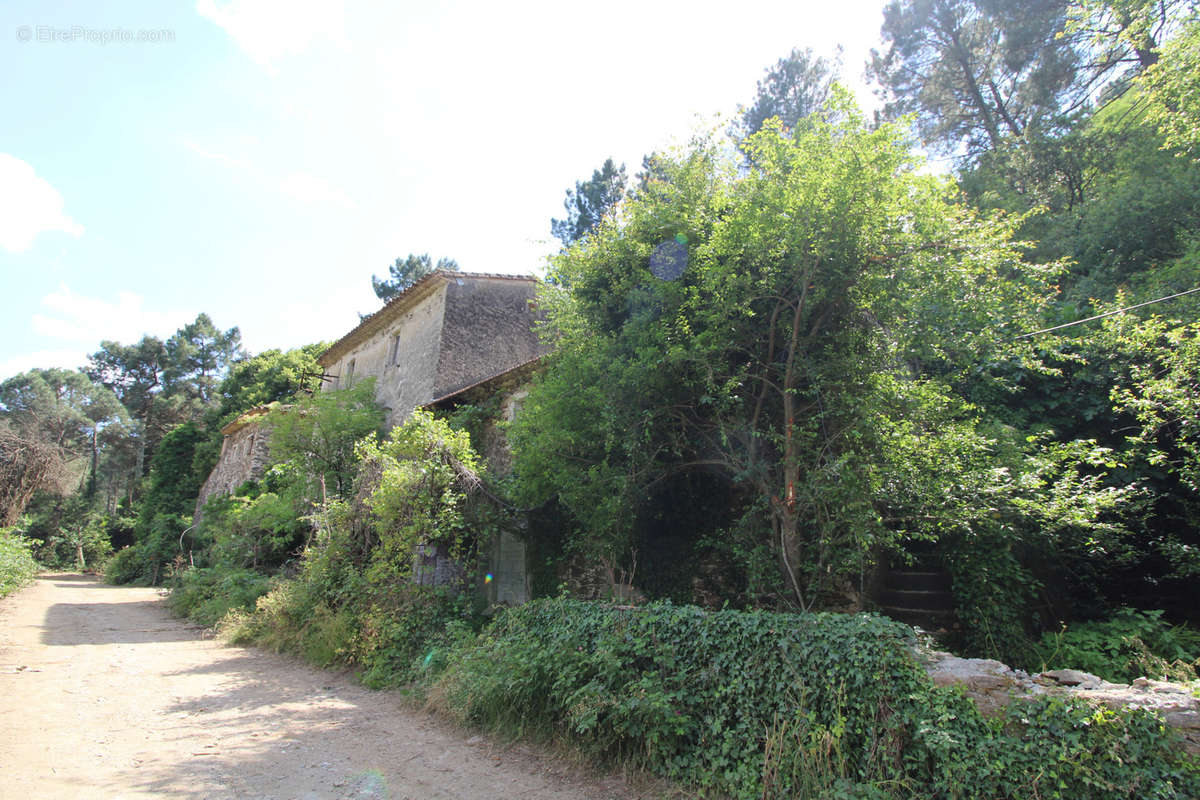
918,580
928,619
938,600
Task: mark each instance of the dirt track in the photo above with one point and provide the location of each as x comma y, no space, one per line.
103,694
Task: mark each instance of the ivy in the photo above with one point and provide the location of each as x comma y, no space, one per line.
758,704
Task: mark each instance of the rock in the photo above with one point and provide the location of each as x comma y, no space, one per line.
1073,677
1184,720
992,685
988,683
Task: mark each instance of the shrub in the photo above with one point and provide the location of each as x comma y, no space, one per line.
206,595
124,567
762,704
17,565
404,633
1130,644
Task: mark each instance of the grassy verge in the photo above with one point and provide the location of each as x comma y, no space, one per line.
17,566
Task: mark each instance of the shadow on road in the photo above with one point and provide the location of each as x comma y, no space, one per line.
143,621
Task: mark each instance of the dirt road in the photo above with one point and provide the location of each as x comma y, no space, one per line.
103,694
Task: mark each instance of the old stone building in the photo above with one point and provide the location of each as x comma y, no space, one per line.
447,332
450,338
244,456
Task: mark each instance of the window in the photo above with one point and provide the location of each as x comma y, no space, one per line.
394,355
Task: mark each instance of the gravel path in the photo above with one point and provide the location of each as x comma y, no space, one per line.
103,694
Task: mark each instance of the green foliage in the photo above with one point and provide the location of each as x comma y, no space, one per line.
261,526
1173,87
125,566
197,356
820,353
292,618
426,470
780,705
1129,644
588,202
795,88
355,599
319,433
17,565
206,595
407,271
166,510
975,74
49,421
68,532
272,376
173,483
404,632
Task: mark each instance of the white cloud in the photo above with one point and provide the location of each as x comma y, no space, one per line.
309,188
29,206
90,320
267,30
41,359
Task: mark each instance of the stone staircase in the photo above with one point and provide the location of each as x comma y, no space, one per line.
918,595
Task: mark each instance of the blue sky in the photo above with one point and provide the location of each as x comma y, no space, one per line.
258,160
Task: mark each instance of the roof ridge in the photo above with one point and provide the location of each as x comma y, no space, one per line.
410,291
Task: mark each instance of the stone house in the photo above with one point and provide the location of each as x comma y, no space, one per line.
445,333
450,338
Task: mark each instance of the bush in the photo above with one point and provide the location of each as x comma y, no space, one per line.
1130,644
405,634
154,556
124,567
292,618
762,704
206,595
17,565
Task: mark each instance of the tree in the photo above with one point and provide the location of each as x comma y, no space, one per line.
1158,384
135,374
796,87
977,73
1125,35
197,357
269,377
319,433
1173,86
588,202
54,417
835,310
407,271
27,465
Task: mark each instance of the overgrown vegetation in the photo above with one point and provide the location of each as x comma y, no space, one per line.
17,565
1130,644
385,579
759,704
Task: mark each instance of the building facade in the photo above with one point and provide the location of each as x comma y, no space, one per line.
447,332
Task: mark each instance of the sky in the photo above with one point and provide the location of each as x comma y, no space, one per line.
259,160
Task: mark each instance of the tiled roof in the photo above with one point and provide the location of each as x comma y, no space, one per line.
402,302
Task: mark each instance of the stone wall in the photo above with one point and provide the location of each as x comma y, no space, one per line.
448,332
993,685
402,356
245,455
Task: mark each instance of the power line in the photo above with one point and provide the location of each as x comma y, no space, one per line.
1107,314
